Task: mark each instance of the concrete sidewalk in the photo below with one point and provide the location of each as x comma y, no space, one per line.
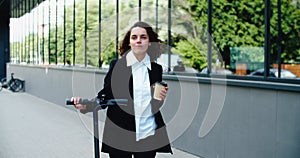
32,128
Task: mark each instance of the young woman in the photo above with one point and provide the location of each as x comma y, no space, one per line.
137,129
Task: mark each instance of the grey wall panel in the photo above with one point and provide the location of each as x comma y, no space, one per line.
236,130
262,130
288,125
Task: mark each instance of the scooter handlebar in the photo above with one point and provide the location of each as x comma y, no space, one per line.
98,102
82,101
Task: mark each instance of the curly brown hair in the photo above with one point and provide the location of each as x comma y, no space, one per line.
154,49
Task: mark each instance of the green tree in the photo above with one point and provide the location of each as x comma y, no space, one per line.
193,52
290,29
241,24
92,39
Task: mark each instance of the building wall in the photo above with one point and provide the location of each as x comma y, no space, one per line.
4,37
204,117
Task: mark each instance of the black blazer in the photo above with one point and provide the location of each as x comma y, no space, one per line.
119,131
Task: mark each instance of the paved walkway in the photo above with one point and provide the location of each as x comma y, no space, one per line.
33,128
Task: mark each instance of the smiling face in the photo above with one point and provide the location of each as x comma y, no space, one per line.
139,42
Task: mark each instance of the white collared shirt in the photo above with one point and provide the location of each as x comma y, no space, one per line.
144,119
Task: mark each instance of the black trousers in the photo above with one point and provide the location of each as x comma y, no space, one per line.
148,154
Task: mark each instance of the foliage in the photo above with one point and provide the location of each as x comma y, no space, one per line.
241,23
235,24
192,51
290,31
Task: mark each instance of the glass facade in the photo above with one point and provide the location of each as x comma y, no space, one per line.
239,39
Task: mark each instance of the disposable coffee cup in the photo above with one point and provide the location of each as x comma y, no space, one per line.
158,87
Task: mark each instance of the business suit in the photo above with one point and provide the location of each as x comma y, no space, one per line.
119,131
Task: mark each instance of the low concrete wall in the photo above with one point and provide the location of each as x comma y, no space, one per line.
206,117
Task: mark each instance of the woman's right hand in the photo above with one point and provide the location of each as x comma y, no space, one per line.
76,101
